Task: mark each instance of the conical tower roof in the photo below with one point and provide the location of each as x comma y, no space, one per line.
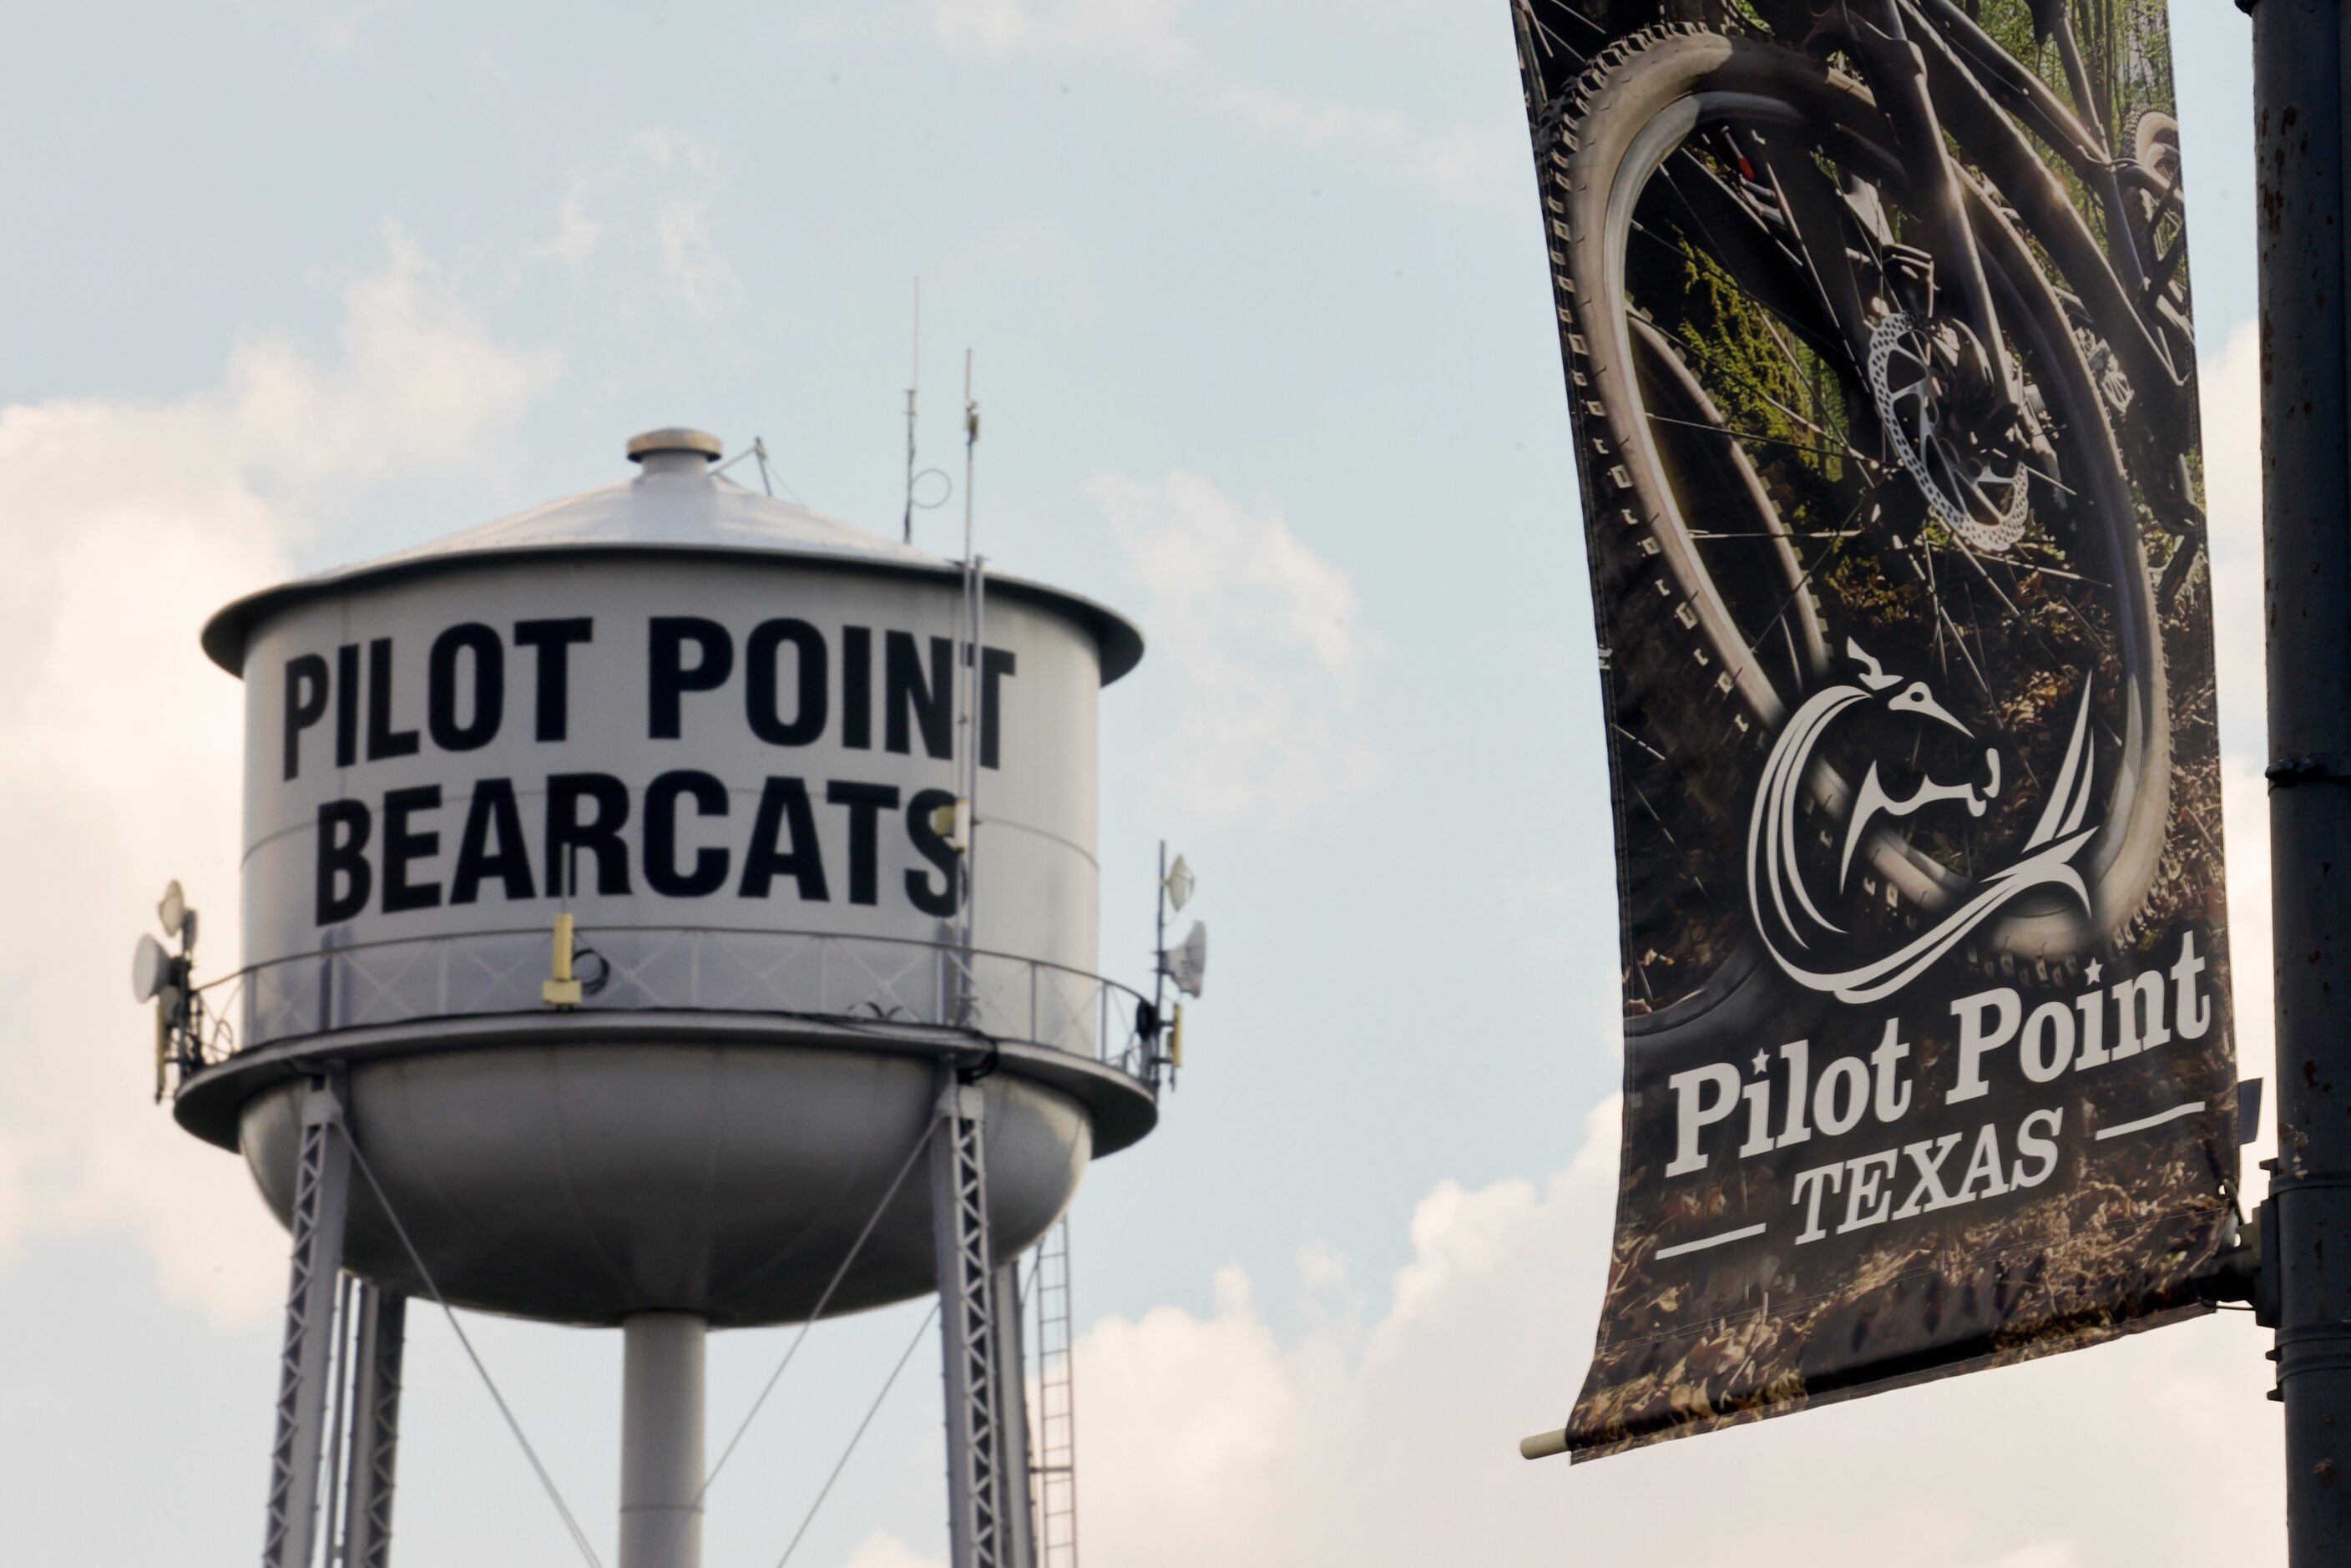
675,506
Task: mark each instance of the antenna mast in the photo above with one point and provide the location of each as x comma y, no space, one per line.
974,683
970,441
914,384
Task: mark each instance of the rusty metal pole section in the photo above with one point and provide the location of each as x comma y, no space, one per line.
2306,530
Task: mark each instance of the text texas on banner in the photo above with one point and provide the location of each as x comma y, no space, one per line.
1876,322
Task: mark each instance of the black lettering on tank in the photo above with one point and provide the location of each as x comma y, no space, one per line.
662,795
305,704
487,701
403,845
347,706
810,684
933,846
383,740
929,701
345,878
598,835
784,843
554,640
995,665
866,803
669,677
857,687
493,815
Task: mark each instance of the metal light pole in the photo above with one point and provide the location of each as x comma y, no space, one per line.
2299,156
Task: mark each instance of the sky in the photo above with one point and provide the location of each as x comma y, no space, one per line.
1261,328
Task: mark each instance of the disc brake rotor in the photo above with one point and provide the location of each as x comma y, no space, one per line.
1978,498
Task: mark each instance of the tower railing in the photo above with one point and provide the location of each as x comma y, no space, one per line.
819,976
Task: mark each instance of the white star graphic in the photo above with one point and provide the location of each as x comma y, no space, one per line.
1762,1059
2091,970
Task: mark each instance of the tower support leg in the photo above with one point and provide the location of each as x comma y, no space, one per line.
661,1423
322,1184
1014,1506
375,1426
968,1329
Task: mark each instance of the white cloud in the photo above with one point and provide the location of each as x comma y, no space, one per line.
694,269
1032,256
1460,163
2232,397
2040,1554
414,385
883,1550
2245,811
576,235
651,208
1466,164
1215,1439
1264,637
984,27
126,524
334,27
1141,32
1304,123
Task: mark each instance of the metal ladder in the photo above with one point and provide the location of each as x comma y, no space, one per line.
1057,1442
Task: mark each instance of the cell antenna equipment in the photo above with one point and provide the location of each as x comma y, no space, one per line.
914,474
914,392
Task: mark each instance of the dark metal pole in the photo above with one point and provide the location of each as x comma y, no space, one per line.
375,1426
1159,952
2298,94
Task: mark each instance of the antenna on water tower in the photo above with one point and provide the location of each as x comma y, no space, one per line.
914,387
975,659
970,446
1186,962
917,476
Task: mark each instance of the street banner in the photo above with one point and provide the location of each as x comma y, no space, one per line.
1882,384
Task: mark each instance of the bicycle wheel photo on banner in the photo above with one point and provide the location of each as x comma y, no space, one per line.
1881,371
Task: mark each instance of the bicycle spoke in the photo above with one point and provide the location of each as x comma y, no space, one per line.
1775,534
1762,436
1959,636
2020,618
1818,429
1737,244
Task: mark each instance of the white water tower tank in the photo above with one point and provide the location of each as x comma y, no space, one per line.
716,730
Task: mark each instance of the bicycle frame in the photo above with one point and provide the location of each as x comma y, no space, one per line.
1954,73
1896,72
1990,102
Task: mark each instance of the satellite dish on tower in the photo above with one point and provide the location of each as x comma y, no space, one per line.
178,920
1187,961
1179,883
151,967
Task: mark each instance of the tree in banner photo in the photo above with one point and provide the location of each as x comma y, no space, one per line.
1879,359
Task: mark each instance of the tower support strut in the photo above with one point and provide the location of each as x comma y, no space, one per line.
1014,1509
375,1426
322,1190
977,1532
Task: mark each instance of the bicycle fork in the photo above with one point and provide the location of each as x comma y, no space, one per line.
1897,74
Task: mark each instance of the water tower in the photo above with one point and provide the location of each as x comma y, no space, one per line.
636,891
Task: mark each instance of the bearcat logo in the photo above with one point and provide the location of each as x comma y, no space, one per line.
1815,950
